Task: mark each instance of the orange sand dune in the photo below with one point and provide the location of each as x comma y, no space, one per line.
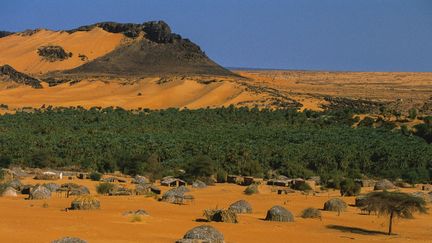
28,221
146,93
20,51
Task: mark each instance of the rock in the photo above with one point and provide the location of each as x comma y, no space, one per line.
241,206
384,184
53,53
336,205
203,233
40,192
85,202
69,240
10,74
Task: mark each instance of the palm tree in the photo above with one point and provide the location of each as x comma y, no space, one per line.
393,204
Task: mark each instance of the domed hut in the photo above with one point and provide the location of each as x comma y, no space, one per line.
15,184
69,240
241,206
335,205
40,192
279,213
203,233
53,187
384,184
311,213
199,184
9,192
85,202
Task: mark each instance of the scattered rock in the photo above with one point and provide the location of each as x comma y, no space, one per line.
53,53
8,73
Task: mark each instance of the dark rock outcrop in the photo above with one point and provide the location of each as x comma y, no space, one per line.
11,74
5,33
159,53
53,53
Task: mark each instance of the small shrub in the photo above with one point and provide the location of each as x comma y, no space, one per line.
136,218
45,205
104,188
251,189
349,188
221,176
311,213
301,187
95,176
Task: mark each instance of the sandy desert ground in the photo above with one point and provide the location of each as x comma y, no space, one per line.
28,221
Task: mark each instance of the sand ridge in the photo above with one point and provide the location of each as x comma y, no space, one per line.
20,51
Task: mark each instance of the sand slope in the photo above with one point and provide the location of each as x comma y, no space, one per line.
145,93
20,51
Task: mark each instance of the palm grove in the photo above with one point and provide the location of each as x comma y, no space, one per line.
212,142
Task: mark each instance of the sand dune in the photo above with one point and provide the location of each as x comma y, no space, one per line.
145,93
20,51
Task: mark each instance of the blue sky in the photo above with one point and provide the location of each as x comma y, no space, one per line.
356,35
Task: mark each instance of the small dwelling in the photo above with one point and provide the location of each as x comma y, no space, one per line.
172,182
278,182
234,179
248,180
83,176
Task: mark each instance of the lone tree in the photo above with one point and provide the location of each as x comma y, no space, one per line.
393,204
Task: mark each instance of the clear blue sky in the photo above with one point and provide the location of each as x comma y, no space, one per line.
357,35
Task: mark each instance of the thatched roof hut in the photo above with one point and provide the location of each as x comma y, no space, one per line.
360,201
172,182
9,192
85,202
113,179
40,192
155,189
69,240
175,195
365,182
199,184
142,189
52,186
203,233
120,191
26,189
15,184
384,184
47,175
311,213
241,206
336,205
279,213
140,180
426,196
220,215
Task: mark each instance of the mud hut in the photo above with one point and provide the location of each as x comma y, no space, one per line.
384,184
69,240
198,184
241,206
234,179
336,205
9,192
40,192
203,233
279,213
248,180
85,202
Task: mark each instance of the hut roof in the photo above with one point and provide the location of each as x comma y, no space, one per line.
85,202
40,192
384,184
9,192
335,204
279,213
241,206
69,240
205,233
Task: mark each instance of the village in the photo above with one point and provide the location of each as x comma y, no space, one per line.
90,192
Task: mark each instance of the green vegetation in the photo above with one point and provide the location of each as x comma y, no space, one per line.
301,187
104,188
232,140
95,176
393,204
349,188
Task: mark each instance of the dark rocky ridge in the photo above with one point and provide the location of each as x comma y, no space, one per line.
18,77
5,33
160,53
